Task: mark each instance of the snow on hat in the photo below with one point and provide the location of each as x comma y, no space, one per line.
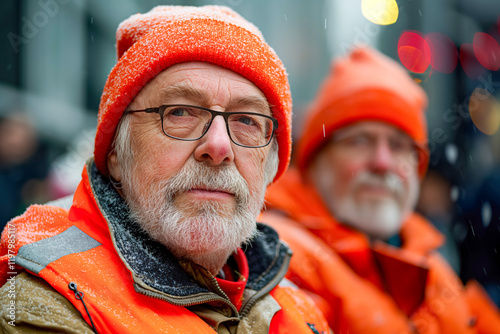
149,43
365,85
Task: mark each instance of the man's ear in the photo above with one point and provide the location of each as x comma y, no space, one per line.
113,166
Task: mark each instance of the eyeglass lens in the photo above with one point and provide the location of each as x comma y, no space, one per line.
186,122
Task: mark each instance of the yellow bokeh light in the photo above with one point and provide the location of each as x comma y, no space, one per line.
484,111
382,12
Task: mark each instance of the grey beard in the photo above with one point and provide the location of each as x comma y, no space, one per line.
206,232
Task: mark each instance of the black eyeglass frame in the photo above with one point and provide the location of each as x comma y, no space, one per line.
161,109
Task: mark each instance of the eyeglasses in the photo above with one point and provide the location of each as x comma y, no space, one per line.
186,122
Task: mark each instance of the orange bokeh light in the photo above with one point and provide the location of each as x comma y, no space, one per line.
484,110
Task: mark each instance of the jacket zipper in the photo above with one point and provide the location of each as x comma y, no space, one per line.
266,289
79,295
190,301
187,301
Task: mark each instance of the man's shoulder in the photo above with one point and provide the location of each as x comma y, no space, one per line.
287,228
420,236
309,250
36,218
41,213
36,223
28,302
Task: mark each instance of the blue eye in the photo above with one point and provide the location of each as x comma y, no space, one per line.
246,120
179,112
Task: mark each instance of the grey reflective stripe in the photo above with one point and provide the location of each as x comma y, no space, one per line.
38,255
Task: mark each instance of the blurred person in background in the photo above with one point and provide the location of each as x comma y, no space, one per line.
369,261
65,171
161,233
23,166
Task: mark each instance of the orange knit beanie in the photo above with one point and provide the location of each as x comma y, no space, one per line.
365,85
149,43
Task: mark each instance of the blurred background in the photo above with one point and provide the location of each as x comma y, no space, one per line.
56,55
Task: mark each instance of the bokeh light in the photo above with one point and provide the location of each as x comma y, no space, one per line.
486,214
484,111
469,62
451,153
444,53
381,12
414,51
487,51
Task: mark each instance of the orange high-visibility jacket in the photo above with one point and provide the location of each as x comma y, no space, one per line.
132,284
378,288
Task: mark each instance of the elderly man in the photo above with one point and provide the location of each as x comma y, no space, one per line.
368,260
161,235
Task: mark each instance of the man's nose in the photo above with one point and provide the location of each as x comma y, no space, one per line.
383,158
215,146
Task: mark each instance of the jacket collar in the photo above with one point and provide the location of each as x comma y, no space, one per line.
150,262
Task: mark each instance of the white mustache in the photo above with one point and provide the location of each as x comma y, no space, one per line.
196,175
389,181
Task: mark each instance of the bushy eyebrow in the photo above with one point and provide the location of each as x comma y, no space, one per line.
177,91
167,94
256,103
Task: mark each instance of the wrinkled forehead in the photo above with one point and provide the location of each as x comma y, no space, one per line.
204,84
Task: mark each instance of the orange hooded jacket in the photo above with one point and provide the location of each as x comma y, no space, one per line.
375,289
121,292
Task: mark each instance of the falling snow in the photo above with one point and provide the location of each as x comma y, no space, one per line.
451,153
486,214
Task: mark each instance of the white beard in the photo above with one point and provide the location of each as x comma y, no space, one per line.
379,218
205,232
